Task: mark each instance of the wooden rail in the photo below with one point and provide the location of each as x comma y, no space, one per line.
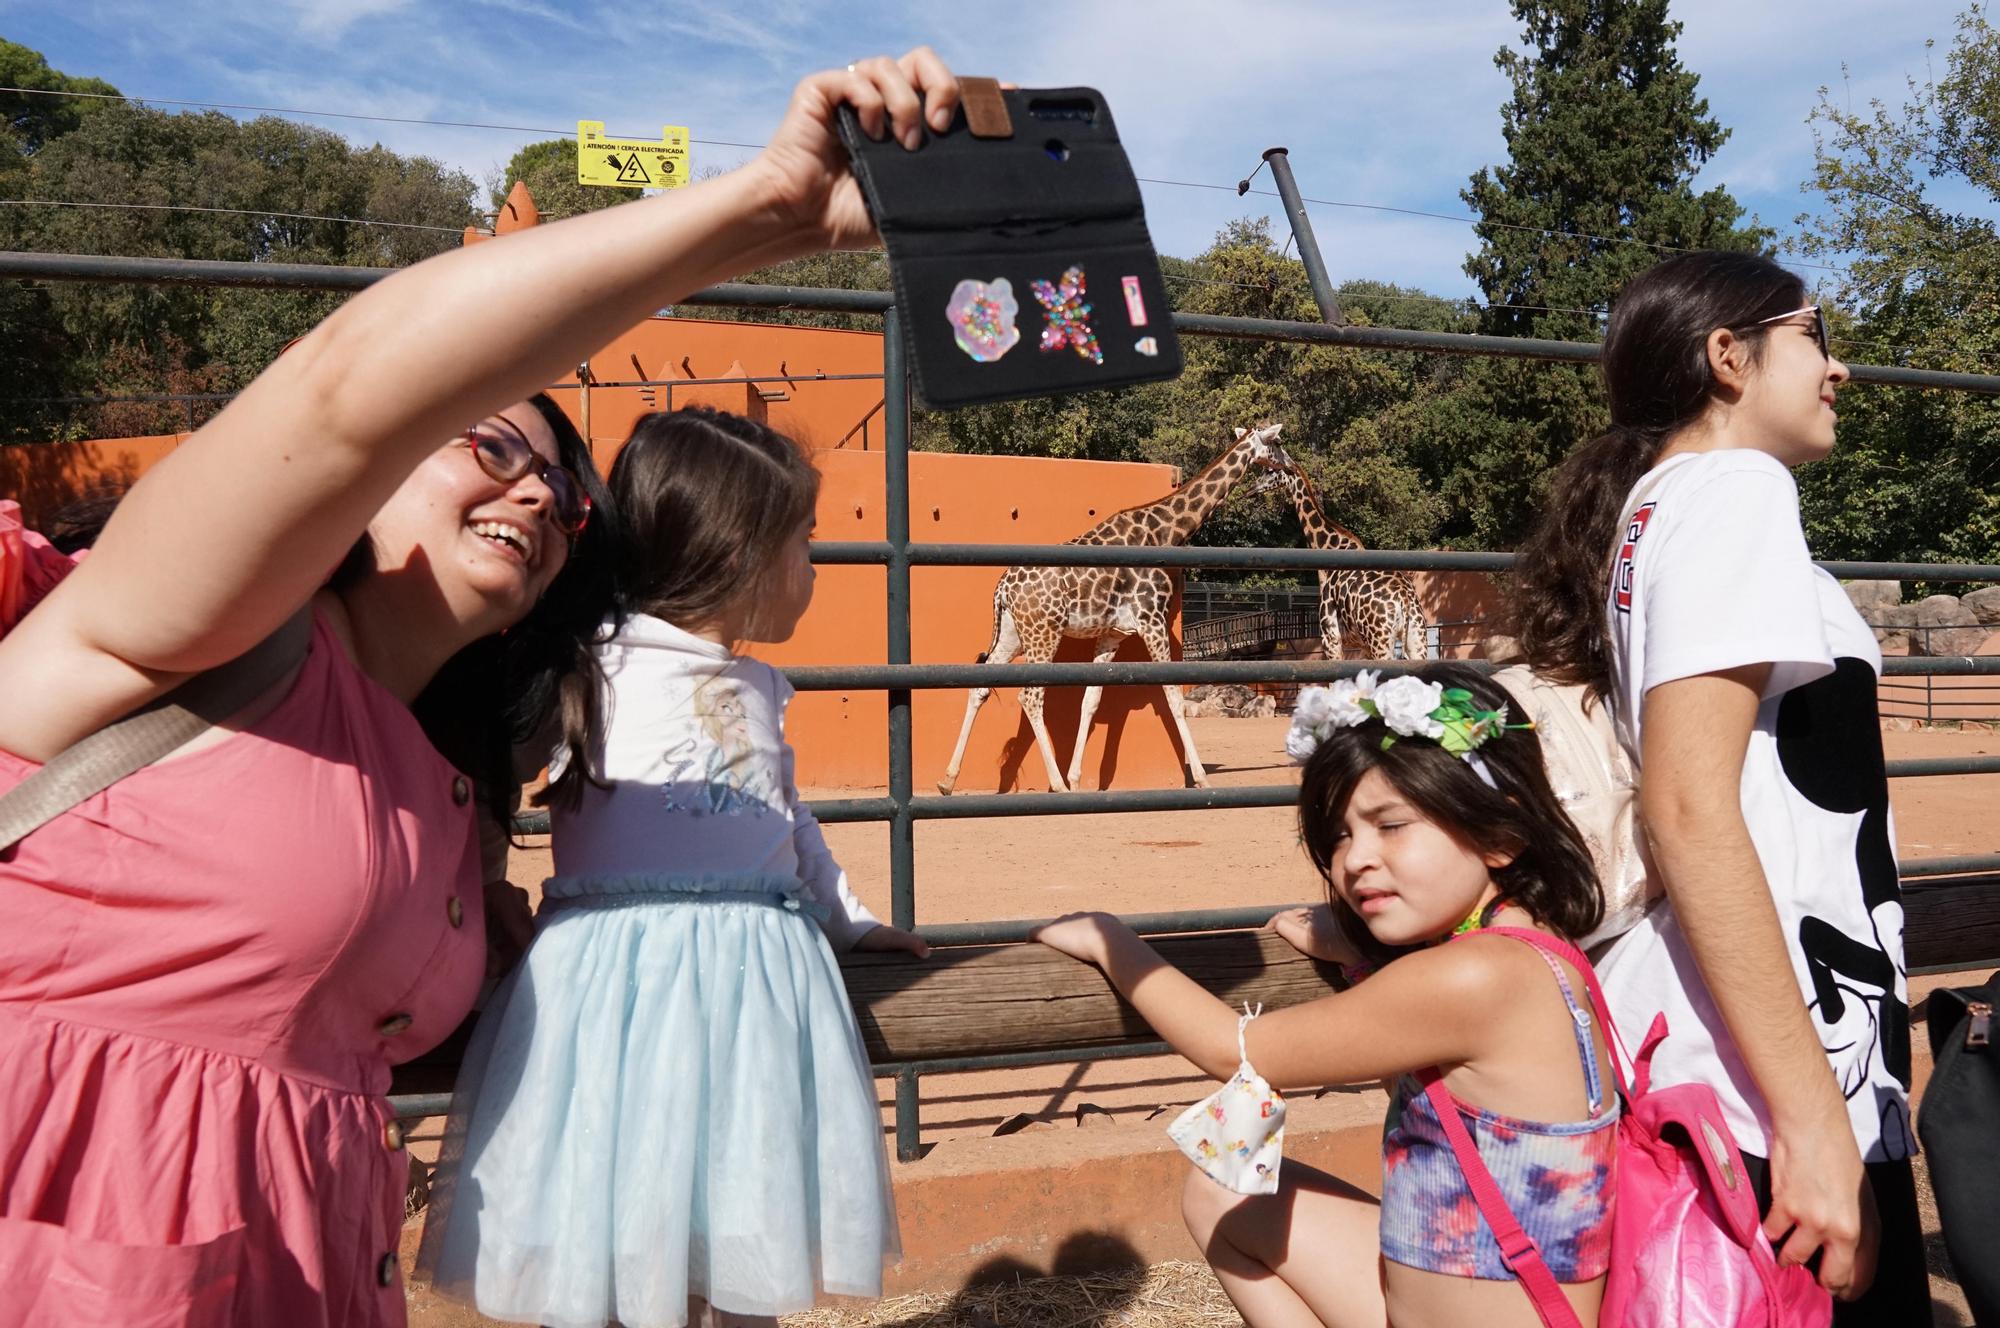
991,999
996,999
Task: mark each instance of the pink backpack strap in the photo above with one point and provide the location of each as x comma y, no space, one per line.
1517,1248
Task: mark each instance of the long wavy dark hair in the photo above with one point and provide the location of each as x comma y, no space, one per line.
1551,877
1657,375
706,501
500,692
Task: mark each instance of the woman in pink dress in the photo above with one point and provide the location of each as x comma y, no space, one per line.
207,970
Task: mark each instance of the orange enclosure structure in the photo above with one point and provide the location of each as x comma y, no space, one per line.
842,737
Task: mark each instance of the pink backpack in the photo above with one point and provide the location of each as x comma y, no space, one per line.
1687,1246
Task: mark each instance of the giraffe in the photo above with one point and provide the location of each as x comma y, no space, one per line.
1380,607
1034,608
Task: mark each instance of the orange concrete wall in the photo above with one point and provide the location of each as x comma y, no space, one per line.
44,477
841,737
816,414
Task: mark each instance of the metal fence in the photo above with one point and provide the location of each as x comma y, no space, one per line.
900,810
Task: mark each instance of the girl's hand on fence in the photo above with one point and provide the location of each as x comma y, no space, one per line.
1085,936
886,938
1313,933
805,166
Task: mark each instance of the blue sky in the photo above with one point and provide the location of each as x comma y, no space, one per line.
1392,103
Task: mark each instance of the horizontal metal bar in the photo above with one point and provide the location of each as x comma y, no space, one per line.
876,552
1860,571
1009,931
189,271
416,1106
875,677
91,267
1134,673
787,379
1008,1060
1947,666
1922,767
1961,865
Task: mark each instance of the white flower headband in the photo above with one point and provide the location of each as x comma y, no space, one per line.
1406,705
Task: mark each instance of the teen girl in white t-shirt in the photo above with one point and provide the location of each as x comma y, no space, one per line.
1670,573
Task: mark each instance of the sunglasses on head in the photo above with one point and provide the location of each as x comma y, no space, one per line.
1818,325
505,454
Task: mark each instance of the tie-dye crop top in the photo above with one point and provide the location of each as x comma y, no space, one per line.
1559,1179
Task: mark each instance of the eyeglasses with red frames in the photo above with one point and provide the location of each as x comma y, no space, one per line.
1818,328
505,454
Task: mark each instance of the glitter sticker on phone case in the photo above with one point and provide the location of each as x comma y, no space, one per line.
1068,315
982,318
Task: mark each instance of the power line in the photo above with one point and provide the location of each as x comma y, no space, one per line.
238,212
339,115
754,147
1448,216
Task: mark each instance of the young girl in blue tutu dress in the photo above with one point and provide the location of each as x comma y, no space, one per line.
666,1113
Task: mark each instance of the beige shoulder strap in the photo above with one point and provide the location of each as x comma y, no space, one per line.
120,748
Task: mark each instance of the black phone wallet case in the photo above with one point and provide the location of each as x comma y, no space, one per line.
1018,247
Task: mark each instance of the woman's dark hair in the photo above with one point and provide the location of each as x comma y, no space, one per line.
1552,876
706,501
1657,375
500,691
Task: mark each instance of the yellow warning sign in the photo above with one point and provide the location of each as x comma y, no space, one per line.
631,162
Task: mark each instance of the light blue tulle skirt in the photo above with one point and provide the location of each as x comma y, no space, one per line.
667,1098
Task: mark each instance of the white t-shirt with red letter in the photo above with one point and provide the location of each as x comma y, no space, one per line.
1712,573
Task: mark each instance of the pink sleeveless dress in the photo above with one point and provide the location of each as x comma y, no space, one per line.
205,974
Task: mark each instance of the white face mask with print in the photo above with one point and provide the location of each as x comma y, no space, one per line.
1236,1134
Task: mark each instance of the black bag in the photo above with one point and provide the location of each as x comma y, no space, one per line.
1018,247
1958,1123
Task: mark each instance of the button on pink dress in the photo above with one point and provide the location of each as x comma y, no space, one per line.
205,974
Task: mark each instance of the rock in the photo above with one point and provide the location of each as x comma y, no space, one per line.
1501,649
1985,604
1229,699
1867,595
1946,627
1892,615
1089,1113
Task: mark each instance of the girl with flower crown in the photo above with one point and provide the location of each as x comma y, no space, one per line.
1431,820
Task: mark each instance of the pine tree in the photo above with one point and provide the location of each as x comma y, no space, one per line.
1605,134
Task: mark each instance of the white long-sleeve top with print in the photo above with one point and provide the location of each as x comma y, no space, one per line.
690,739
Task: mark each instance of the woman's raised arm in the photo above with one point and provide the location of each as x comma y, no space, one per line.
229,535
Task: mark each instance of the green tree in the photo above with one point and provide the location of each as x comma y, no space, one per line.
548,168
1605,134
186,186
1906,198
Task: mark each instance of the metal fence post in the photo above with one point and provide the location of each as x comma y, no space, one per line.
902,829
1302,231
